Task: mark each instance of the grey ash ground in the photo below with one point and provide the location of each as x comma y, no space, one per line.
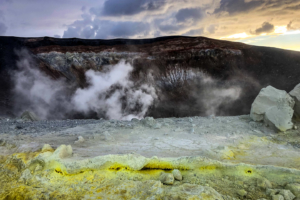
234,139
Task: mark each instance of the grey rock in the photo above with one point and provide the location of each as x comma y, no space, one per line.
167,178
275,107
267,98
80,139
279,118
264,183
149,122
272,192
177,174
26,175
295,93
157,126
242,192
294,188
104,136
277,197
29,116
287,194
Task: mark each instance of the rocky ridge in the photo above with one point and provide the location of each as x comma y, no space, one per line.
229,64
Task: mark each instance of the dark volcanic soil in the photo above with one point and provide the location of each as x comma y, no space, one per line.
229,64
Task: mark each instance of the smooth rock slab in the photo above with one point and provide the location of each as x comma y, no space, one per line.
280,118
269,97
275,107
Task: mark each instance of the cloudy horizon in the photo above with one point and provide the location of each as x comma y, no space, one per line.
273,23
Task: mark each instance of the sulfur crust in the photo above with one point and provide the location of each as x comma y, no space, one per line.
115,176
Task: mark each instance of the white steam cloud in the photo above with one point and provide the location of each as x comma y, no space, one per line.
111,93
97,96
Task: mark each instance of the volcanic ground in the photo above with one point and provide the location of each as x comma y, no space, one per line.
218,157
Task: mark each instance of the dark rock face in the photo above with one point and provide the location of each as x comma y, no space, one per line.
192,75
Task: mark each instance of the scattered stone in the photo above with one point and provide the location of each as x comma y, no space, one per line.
80,140
277,197
294,188
264,183
257,131
46,148
242,192
253,124
38,168
177,174
287,194
192,131
167,178
270,97
212,117
106,136
190,120
166,124
149,122
135,120
295,93
29,116
177,129
157,126
63,151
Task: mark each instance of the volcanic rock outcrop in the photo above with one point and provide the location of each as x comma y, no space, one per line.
274,107
192,75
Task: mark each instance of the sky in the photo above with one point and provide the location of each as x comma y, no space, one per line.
274,23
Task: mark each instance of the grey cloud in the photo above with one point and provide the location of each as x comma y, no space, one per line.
292,26
194,32
128,7
278,4
72,32
289,26
185,14
83,8
265,28
126,29
238,6
3,28
297,7
212,28
168,27
103,29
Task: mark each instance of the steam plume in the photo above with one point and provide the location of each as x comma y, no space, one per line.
111,93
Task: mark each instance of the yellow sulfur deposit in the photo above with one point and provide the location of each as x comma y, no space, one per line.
44,175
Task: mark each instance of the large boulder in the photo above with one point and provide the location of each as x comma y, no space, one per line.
274,107
295,93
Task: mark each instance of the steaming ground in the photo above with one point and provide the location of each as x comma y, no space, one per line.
234,139
109,93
